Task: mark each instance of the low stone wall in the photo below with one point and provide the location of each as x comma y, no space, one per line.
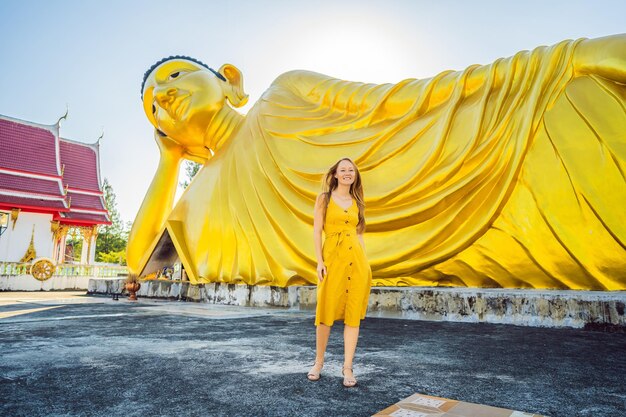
55,283
215,293
545,308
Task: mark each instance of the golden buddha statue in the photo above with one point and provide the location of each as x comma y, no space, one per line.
510,174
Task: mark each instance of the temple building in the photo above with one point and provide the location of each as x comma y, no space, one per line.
50,190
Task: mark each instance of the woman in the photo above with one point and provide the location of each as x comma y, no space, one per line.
343,273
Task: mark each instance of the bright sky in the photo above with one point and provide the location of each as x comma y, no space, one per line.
91,55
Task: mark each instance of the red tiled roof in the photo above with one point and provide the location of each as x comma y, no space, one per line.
29,184
35,151
86,217
81,165
86,201
28,148
9,201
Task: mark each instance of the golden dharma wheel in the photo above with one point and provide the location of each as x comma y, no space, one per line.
42,269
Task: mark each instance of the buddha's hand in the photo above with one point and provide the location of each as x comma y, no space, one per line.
321,271
170,149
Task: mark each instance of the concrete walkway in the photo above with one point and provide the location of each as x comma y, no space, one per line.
96,357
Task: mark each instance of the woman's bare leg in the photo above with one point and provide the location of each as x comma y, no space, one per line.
322,332
321,340
350,338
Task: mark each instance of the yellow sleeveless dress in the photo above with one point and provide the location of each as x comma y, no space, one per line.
344,292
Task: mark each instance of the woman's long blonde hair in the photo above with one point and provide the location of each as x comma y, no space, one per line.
330,183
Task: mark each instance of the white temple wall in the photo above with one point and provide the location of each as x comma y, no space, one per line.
56,283
92,255
14,241
88,258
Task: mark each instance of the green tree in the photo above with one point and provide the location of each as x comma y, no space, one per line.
113,257
112,238
191,169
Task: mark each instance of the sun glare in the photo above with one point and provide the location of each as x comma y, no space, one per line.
360,50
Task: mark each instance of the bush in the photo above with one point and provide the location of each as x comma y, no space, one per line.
118,257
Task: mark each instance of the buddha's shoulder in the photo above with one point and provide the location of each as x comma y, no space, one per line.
300,78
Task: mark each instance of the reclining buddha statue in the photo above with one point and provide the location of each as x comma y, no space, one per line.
510,174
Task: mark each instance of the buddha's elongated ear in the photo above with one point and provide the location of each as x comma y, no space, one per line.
234,91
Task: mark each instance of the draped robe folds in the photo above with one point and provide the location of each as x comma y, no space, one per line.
504,175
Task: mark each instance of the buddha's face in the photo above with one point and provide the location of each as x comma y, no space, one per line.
180,99
346,174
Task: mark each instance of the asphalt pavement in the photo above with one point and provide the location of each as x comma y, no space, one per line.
69,354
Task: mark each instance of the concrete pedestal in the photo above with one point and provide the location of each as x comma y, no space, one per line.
543,308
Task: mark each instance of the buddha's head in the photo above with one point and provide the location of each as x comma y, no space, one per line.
181,96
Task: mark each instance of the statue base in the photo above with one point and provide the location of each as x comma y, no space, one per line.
596,310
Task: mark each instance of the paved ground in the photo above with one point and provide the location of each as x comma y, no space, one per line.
97,357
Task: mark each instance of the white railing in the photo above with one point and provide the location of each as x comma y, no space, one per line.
14,268
76,270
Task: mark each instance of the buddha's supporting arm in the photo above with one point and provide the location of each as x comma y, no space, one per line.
157,204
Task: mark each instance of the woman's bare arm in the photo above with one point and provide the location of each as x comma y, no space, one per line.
360,236
318,226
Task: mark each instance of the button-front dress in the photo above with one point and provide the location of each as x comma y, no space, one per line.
344,292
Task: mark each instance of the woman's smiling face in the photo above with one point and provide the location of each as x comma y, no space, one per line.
180,99
346,174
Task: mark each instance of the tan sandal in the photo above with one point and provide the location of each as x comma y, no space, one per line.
348,382
315,376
